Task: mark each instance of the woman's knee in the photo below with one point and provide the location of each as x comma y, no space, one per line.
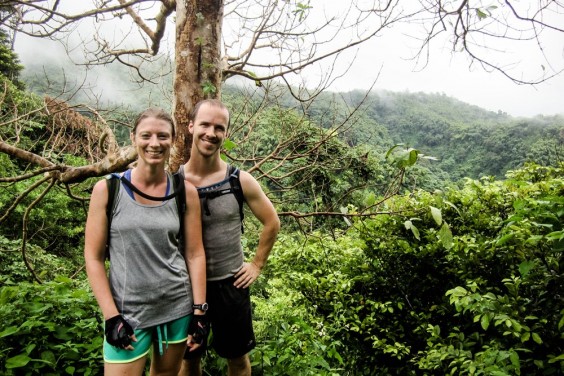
169,362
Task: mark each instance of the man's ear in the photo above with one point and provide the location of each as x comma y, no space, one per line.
191,127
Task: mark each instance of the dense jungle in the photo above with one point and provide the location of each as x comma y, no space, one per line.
420,235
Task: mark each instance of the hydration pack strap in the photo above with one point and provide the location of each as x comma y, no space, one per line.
235,188
149,197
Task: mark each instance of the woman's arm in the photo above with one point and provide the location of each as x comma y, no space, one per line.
96,234
193,244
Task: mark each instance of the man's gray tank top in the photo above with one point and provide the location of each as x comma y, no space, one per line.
148,274
221,231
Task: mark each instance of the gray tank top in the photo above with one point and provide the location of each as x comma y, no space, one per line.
148,275
221,232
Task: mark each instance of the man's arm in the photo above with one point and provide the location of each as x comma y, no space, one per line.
264,211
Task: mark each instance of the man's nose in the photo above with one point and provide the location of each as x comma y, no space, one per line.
210,131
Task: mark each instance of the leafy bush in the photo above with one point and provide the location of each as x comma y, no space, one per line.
49,329
459,282
13,269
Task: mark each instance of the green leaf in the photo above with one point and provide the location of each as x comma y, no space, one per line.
559,358
525,267
413,153
437,216
481,14
485,321
536,338
514,357
17,361
390,151
410,226
8,331
370,199
228,144
505,238
445,236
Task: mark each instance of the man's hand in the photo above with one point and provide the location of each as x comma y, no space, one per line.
197,331
247,275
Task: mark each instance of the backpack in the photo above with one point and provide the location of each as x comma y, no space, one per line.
234,187
113,183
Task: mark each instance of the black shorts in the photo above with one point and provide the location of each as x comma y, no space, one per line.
230,319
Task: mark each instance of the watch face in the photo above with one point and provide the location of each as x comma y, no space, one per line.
201,307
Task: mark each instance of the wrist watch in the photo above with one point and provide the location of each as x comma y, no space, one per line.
201,307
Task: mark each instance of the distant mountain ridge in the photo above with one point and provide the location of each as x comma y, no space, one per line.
469,141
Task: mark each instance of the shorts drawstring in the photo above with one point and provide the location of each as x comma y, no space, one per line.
160,329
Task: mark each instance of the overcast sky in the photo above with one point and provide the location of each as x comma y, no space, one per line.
452,76
386,58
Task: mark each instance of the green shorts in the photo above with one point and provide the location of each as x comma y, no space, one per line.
175,331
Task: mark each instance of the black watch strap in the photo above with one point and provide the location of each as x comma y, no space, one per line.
201,307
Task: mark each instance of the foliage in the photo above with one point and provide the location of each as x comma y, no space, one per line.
49,329
14,271
305,169
10,66
467,140
456,280
461,281
56,223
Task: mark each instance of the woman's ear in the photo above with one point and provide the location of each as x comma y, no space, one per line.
132,138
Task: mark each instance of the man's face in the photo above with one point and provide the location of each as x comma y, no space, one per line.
208,129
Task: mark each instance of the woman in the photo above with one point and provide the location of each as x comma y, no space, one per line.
152,293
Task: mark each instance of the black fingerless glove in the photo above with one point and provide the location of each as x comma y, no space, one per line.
198,328
118,332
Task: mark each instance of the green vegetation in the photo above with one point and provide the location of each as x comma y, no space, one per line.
9,62
460,273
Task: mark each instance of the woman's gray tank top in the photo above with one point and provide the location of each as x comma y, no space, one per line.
148,274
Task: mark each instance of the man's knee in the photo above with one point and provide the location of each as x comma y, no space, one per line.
191,367
239,366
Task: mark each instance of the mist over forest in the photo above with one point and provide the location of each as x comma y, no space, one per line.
466,140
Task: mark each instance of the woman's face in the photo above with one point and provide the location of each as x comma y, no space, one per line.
153,140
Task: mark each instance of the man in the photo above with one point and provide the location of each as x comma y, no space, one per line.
229,277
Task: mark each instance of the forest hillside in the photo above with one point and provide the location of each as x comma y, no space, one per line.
442,256
467,141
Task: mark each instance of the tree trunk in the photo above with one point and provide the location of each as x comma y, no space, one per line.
197,63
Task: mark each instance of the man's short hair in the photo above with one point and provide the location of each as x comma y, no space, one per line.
211,102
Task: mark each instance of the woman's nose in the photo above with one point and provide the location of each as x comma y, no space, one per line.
154,141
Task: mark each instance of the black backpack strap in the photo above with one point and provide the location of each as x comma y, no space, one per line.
207,195
180,198
235,183
112,181
234,188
